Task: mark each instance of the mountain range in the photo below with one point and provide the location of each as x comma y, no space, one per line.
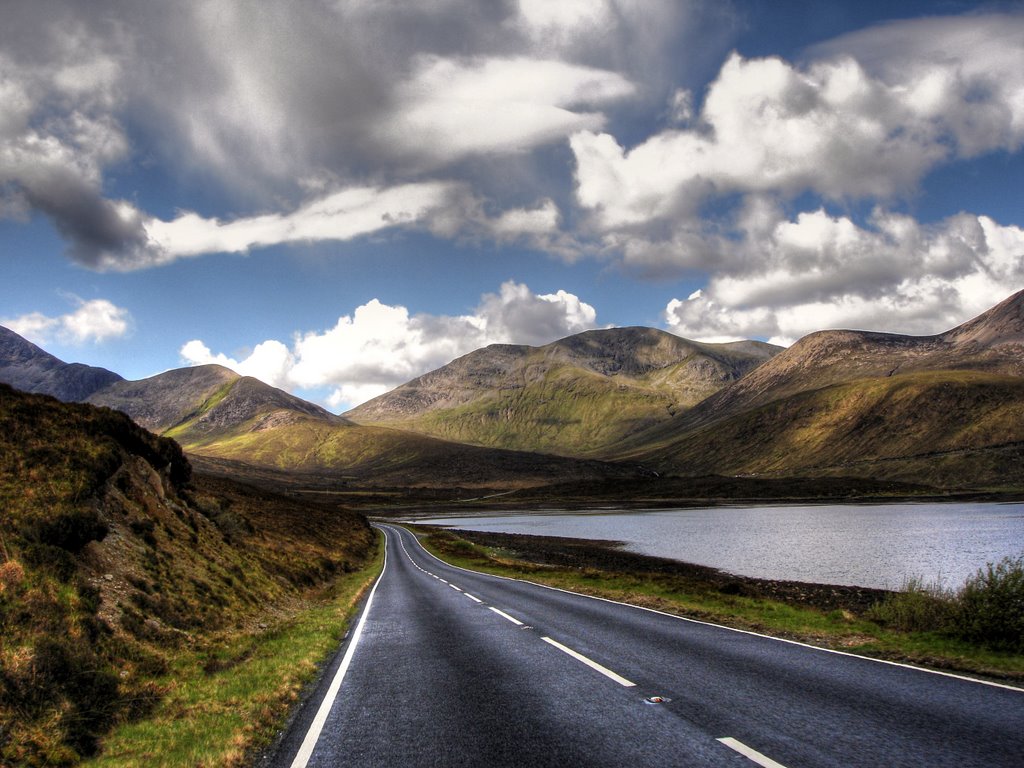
574,397
945,409
624,403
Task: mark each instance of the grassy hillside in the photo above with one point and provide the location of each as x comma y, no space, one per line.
116,566
944,428
379,456
574,397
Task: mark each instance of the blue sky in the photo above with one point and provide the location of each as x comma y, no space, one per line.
339,196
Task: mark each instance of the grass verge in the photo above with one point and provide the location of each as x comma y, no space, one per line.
224,702
736,602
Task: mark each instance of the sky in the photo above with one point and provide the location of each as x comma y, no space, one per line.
338,196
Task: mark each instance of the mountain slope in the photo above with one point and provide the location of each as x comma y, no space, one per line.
574,396
25,366
117,566
865,404
216,413
192,404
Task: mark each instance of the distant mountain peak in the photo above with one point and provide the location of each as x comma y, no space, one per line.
25,366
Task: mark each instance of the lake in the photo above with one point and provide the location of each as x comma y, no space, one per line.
865,545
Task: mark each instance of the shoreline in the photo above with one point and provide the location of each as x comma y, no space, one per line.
563,552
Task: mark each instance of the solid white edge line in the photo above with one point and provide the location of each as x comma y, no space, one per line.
938,672
751,754
504,615
590,663
316,727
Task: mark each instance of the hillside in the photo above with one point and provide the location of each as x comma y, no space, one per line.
945,409
115,561
573,397
212,411
25,366
191,404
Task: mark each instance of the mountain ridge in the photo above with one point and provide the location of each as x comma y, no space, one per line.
573,396
30,368
862,402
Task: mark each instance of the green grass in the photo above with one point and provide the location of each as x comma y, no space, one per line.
226,701
836,629
182,429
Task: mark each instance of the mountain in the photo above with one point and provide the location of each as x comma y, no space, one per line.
25,366
215,413
946,409
573,397
198,404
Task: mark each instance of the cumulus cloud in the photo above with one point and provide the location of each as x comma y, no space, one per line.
96,320
830,128
864,119
820,271
379,346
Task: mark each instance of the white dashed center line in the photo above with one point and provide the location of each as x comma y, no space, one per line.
504,615
751,754
474,599
590,663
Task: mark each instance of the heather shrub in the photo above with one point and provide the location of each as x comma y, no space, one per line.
990,606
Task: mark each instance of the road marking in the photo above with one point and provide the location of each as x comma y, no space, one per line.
504,615
474,599
442,580
589,662
454,587
940,673
751,754
313,734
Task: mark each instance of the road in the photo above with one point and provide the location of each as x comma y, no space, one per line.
448,667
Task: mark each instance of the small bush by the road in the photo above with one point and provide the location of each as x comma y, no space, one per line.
918,607
988,610
990,606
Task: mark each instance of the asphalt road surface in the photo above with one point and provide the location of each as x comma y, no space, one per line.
448,667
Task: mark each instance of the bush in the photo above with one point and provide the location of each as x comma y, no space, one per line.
915,608
990,607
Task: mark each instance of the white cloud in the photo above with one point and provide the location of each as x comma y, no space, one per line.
453,108
820,271
269,361
342,215
832,127
96,320
379,346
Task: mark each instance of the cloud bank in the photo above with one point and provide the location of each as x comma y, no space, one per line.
578,128
379,346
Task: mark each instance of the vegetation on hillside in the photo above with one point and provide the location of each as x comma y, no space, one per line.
573,397
952,429
115,565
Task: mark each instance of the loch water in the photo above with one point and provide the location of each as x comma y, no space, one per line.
880,545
